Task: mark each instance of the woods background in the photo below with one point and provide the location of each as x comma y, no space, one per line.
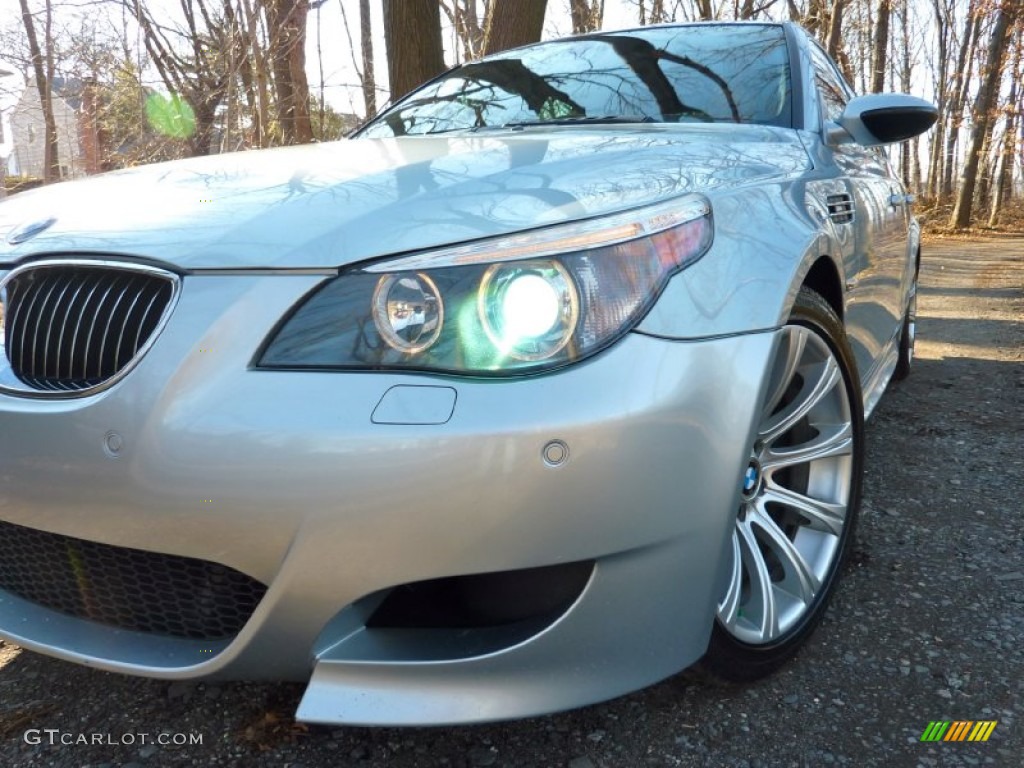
148,80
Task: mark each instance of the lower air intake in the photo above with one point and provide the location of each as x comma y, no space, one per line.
126,588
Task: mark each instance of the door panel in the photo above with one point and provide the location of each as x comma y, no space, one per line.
875,270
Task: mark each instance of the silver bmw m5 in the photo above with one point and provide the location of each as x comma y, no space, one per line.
544,386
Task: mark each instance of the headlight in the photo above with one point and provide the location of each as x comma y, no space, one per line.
536,300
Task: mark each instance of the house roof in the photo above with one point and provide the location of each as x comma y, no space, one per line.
70,89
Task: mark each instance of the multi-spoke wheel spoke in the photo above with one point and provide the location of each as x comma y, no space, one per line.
832,440
758,613
819,381
796,492
791,352
729,608
799,579
824,516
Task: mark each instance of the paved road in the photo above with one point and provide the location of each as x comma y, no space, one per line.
927,624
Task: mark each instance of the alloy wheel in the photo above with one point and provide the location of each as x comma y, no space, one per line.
796,492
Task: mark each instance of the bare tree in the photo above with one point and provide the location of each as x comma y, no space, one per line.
881,46
42,65
982,112
961,87
587,15
818,18
412,33
253,70
369,82
286,22
940,73
469,22
190,62
512,23
835,30
1003,175
367,79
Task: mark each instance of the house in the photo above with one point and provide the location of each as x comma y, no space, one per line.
77,135
7,78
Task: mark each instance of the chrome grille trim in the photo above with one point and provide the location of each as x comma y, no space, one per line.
75,327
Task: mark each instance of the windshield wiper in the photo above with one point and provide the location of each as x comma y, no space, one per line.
577,120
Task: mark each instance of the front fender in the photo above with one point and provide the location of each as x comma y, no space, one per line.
766,240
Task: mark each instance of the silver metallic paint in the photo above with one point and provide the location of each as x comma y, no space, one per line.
326,205
327,507
337,526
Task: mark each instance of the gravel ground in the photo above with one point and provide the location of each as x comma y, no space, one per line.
926,624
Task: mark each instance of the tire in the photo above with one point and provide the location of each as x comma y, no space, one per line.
909,333
801,495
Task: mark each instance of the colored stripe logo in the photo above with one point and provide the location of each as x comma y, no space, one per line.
959,730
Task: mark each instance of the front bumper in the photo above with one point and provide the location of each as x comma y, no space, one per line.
290,479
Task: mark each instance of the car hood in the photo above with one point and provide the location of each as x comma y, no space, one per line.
338,203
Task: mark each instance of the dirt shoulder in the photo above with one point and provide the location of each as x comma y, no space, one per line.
927,625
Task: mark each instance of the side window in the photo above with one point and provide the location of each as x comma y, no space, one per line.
830,87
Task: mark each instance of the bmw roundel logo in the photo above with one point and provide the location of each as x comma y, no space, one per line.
752,480
29,230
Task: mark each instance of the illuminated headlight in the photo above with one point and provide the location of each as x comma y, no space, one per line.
536,300
528,309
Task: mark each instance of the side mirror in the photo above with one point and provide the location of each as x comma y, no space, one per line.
882,118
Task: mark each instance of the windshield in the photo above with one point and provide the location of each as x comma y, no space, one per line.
709,73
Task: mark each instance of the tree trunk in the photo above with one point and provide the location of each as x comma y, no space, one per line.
942,81
579,12
587,15
1004,173
512,23
1003,176
254,75
814,18
911,164
474,26
835,30
201,142
366,44
412,33
917,182
986,166
881,46
982,113
657,14
51,161
286,25
962,78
